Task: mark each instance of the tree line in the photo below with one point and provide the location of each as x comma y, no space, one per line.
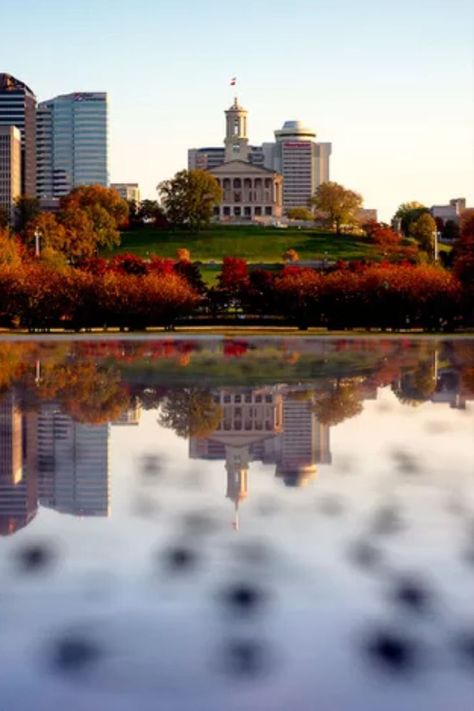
96,382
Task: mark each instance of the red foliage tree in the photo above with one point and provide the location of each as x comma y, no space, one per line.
234,274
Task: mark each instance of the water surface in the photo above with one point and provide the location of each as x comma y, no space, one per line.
238,524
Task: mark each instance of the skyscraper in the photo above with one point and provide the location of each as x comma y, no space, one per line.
72,143
303,163
10,167
18,108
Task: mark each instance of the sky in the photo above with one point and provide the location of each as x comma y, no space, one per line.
390,85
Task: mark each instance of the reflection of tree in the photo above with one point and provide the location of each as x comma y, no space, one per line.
88,392
190,412
417,386
341,402
13,363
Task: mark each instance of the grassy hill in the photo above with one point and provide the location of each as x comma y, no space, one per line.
254,243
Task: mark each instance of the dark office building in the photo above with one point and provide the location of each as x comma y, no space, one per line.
18,108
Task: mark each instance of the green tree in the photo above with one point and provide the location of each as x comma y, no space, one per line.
189,198
337,205
407,213
423,231
149,211
450,230
300,213
26,210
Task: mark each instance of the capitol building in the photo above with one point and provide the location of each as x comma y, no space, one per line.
260,183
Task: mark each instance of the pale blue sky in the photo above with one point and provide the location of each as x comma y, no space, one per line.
389,84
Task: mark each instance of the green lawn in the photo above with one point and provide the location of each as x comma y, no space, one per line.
256,244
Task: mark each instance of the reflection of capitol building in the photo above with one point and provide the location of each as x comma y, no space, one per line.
268,424
48,458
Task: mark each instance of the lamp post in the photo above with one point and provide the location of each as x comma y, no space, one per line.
37,242
435,244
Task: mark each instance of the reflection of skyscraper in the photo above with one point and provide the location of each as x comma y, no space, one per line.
18,486
304,441
73,462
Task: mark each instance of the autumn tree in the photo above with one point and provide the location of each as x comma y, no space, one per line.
337,205
104,208
52,234
10,249
290,255
464,257
189,198
183,254
423,230
407,213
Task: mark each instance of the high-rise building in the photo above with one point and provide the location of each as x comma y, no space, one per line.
295,155
10,168
128,191
73,464
18,108
303,163
72,143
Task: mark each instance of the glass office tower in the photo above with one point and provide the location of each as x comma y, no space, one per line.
72,135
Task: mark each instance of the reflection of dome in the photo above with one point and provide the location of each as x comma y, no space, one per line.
296,131
297,476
